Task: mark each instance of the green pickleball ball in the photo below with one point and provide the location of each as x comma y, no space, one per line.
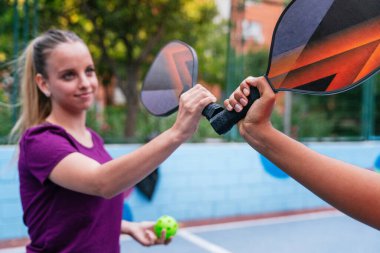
167,223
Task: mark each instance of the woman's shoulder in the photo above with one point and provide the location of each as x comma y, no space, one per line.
44,130
44,127
50,133
44,141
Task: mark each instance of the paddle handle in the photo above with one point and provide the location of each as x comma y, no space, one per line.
222,120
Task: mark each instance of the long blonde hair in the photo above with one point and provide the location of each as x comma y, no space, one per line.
35,106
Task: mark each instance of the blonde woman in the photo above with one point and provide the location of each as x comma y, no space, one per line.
71,189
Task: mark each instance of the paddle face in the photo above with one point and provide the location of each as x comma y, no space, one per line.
318,47
325,46
173,72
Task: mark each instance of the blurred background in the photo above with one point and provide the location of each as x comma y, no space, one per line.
232,39
212,176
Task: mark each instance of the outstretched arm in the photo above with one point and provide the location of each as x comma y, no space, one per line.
80,173
351,189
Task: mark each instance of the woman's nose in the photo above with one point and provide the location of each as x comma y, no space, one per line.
84,81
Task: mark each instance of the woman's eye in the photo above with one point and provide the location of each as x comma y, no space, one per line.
90,71
68,76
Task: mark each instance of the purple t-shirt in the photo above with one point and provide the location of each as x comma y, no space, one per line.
58,219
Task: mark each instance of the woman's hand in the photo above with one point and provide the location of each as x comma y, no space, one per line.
258,116
191,105
143,233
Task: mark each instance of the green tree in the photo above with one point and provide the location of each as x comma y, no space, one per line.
6,26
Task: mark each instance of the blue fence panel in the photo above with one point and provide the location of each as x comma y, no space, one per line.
201,181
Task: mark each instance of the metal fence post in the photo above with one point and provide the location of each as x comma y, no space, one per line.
367,117
14,94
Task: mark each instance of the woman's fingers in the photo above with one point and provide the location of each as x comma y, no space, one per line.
266,92
238,99
198,97
191,104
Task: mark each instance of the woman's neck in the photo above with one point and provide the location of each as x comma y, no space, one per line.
71,123
75,126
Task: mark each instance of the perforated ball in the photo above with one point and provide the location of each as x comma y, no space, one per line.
167,223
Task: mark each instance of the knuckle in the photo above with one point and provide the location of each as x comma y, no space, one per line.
272,97
186,106
237,95
198,86
261,79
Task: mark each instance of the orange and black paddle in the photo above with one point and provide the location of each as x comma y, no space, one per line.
318,47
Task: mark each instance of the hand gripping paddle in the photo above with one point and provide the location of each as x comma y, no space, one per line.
174,71
320,47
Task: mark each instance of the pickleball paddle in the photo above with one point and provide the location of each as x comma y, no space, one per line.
320,47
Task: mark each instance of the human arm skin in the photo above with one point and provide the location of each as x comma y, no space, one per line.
83,174
143,233
351,189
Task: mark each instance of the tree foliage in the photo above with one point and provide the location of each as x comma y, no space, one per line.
124,36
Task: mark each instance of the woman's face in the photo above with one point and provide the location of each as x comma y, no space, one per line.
71,77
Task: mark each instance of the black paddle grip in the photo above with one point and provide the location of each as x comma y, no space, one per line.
222,120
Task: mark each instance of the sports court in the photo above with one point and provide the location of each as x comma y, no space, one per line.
327,231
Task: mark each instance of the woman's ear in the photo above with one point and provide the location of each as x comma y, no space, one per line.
42,85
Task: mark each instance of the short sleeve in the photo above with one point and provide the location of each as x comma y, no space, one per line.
43,148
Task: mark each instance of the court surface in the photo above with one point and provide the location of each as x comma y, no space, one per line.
316,232
321,232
